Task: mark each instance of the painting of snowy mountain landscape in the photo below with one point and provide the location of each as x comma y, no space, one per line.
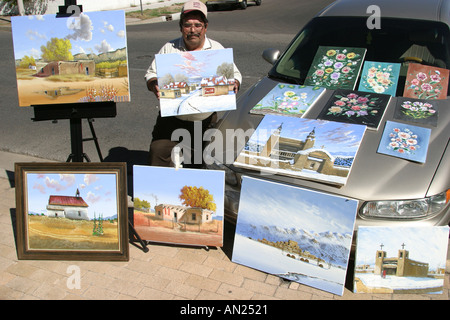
196,82
294,233
401,259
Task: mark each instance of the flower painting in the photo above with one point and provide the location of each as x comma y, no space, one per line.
355,107
426,82
335,67
416,110
405,141
379,77
288,99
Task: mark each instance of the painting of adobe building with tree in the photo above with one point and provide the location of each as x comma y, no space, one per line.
179,206
72,59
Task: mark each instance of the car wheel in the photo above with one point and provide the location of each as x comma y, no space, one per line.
243,4
258,2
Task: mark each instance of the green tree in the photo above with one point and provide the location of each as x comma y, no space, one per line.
141,204
27,61
57,50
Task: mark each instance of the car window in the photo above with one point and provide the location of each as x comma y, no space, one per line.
396,39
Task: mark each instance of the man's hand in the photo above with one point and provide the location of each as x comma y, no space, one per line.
236,86
152,85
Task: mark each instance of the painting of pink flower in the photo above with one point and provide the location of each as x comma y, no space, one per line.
426,82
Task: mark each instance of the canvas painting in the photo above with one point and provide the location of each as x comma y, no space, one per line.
196,82
426,82
295,233
417,111
179,206
72,211
317,150
380,77
400,259
288,99
71,60
405,141
356,107
335,67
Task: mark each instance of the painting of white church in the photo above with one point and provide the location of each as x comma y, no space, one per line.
74,208
311,149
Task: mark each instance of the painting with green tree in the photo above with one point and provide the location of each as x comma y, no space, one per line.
71,59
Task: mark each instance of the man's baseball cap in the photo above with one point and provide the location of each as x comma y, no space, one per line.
192,5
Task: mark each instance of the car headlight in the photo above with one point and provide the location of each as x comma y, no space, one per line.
406,209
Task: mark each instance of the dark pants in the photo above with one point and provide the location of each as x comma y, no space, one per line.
162,144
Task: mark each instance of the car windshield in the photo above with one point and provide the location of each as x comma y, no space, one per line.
397,40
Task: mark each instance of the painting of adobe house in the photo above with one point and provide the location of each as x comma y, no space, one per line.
196,82
400,259
179,206
71,59
304,148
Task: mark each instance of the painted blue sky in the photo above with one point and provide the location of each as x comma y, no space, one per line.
269,203
338,138
166,184
92,32
98,190
425,244
193,63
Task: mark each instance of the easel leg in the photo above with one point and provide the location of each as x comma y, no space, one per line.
94,137
76,138
137,237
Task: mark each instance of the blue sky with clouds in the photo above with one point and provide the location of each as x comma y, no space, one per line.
338,138
271,203
91,32
193,63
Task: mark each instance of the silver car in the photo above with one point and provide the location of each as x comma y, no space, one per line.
390,191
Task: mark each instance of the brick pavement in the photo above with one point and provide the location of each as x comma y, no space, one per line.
165,272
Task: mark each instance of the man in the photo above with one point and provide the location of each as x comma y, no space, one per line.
193,27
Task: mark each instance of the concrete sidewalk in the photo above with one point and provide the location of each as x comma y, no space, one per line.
165,272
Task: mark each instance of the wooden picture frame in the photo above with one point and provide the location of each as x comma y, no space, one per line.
67,226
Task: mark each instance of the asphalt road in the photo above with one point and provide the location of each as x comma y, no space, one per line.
126,137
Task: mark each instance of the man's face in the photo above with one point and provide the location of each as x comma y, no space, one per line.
193,30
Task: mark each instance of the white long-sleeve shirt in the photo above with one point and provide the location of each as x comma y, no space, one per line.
177,45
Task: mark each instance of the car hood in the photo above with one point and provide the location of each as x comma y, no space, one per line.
373,176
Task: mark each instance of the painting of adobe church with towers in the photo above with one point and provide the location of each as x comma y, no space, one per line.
311,149
400,259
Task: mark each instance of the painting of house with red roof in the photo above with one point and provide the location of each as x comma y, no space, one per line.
196,82
74,208
214,86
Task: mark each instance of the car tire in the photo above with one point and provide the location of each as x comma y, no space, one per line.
243,4
258,2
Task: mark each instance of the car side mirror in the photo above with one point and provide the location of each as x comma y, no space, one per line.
271,55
